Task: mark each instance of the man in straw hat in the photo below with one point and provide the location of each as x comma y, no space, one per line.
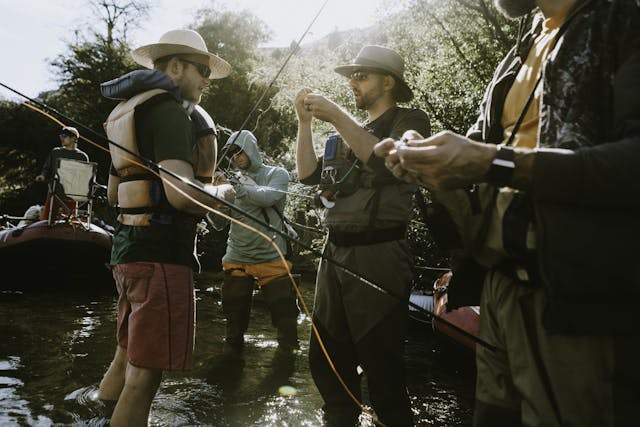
367,215
153,254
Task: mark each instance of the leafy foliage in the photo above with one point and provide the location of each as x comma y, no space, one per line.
451,48
235,36
80,74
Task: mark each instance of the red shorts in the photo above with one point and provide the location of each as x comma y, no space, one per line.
156,314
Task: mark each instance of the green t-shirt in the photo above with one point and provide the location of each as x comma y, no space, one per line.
163,131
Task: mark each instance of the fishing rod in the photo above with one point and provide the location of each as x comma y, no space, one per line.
154,166
157,169
273,80
233,178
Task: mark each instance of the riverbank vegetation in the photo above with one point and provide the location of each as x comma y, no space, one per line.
451,48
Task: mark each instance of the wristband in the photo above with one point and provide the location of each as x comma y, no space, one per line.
502,167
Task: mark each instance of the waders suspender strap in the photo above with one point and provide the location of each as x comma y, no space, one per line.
381,131
486,216
282,216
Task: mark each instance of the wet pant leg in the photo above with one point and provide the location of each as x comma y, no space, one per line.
381,354
280,297
236,293
339,408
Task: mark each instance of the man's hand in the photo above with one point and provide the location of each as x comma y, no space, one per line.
302,109
226,192
219,178
388,149
322,107
442,162
222,191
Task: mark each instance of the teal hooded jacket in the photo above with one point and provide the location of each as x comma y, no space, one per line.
258,198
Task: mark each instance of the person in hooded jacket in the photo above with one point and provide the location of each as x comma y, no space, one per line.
250,259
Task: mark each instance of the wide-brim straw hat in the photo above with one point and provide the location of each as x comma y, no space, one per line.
176,42
383,59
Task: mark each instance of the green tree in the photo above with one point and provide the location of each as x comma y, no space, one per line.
20,147
95,57
244,99
452,48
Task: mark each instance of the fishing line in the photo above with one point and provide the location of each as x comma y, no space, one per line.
157,169
202,205
149,165
232,179
273,80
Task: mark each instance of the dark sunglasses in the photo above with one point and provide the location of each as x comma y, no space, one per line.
202,69
359,76
67,134
233,151
362,75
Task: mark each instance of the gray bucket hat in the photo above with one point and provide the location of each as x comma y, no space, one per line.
383,59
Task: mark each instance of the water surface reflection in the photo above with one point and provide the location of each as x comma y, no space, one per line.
55,348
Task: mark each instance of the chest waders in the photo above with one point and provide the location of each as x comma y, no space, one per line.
236,295
280,298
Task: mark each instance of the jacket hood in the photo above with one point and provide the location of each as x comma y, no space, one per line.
249,144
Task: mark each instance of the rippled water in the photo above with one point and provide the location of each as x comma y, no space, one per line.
54,350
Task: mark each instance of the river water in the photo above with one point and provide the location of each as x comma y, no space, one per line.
55,348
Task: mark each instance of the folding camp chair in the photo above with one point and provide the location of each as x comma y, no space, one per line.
76,180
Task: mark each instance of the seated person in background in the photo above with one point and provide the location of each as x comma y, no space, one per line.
60,204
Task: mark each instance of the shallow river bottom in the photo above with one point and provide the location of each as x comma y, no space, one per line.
54,350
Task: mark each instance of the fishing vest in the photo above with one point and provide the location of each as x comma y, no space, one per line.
139,189
361,209
342,173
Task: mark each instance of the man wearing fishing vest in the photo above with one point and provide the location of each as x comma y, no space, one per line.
367,211
558,138
153,253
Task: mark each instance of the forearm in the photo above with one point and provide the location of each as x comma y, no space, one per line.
184,192
306,158
359,139
601,175
271,192
523,173
190,195
112,190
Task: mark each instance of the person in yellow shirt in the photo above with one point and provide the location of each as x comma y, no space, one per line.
554,148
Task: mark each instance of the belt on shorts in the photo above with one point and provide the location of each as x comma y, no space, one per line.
369,237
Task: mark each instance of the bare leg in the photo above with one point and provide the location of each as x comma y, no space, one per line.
113,380
134,403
